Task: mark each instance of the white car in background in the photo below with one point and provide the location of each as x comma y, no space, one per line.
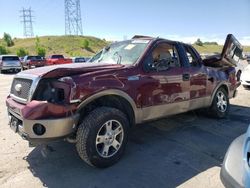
245,77
10,63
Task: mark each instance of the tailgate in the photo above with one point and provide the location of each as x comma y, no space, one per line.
230,55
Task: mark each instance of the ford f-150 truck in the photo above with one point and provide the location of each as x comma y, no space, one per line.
57,60
130,82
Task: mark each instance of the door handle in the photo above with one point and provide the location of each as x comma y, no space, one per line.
186,77
211,79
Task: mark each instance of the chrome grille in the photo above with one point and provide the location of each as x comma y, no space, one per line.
25,88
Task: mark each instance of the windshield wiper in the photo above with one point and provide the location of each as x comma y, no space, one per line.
119,60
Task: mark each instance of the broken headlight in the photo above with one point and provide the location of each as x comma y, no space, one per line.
59,91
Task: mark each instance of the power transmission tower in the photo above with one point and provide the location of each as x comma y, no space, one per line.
73,20
26,15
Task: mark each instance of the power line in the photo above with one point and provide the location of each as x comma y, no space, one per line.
26,15
73,20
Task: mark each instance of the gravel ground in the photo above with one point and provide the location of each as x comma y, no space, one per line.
185,151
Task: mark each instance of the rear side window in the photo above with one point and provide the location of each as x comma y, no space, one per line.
10,58
192,58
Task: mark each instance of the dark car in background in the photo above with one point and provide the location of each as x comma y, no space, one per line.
10,63
29,62
79,60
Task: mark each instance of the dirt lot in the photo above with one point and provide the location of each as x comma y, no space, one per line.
181,151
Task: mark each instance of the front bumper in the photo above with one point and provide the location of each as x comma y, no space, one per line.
54,128
232,172
24,118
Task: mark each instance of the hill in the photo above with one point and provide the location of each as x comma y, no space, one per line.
72,45
66,45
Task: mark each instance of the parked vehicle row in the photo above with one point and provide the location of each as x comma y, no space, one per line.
15,64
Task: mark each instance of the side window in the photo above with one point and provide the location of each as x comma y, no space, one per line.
163,57
193,60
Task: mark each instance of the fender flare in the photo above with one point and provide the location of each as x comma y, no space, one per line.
116,92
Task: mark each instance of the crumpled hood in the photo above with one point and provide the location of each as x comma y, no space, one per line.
70,69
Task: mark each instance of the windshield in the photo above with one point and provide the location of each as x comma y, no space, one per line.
10,58
125,52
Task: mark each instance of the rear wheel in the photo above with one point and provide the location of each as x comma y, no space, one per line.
220,105
102,137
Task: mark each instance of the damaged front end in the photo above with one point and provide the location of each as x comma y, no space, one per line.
43,109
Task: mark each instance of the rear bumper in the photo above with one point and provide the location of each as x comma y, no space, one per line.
232,171
11,67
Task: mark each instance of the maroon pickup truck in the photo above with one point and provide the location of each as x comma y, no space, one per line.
130,82
29,62
57,60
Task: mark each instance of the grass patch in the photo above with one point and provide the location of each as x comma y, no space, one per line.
73,46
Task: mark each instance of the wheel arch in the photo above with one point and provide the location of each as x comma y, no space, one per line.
221,85
111,98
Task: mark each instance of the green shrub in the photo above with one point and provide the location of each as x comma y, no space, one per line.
3,50
198,42
85,44
21,52
7,38
41,51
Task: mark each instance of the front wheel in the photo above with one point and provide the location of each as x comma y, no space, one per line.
102,137
220,105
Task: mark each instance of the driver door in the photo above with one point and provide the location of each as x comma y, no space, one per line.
166,88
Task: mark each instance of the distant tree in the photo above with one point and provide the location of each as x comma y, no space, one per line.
85,44
3,50
198,42
37,42
41,51
21,52
7,38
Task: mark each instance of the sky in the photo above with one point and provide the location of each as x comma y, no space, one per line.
183,20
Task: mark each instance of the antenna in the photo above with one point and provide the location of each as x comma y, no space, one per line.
26,15
73,20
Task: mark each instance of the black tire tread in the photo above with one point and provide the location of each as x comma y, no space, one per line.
213,107
85,127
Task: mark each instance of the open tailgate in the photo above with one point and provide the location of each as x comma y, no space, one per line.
230,56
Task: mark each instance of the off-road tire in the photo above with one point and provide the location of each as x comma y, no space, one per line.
87,133
214,109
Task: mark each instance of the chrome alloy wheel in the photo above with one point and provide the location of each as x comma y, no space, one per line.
221,101
109,138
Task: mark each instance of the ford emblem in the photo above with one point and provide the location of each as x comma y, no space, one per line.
18,87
